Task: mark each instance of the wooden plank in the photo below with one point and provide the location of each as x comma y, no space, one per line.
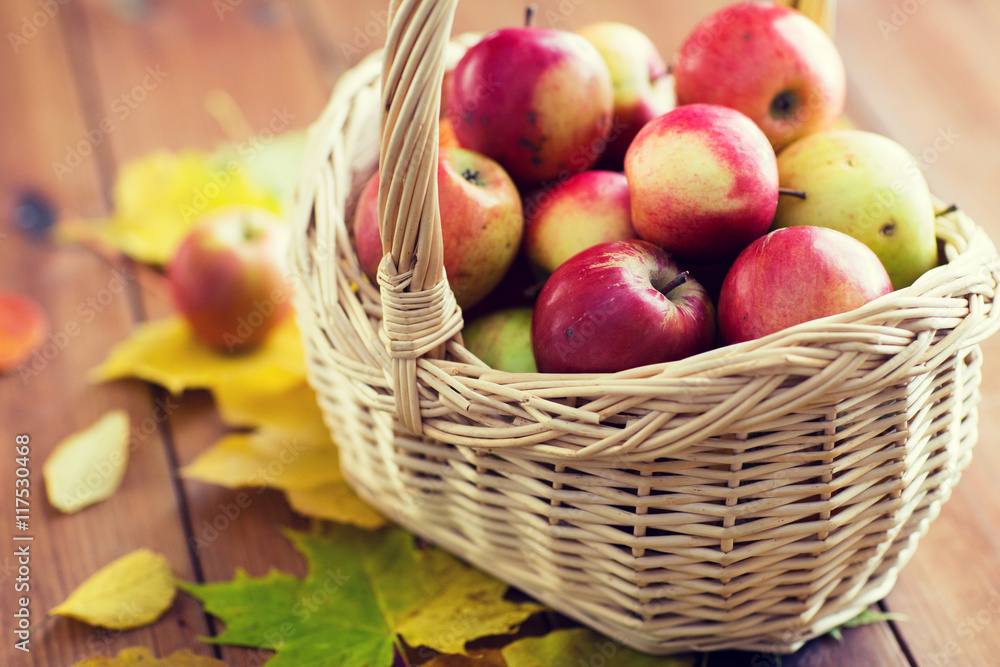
927,73
87,301
256,54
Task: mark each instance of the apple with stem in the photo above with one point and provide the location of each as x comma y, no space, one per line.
769,61
616,306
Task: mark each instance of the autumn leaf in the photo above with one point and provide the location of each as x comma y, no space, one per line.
362,591
88,466
293,411
158,198
272,167
165,352
140,656
127,593
307,471
581,646
869,616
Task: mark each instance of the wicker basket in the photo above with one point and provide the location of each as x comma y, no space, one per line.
751,497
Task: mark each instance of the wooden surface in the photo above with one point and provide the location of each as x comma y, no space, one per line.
923,73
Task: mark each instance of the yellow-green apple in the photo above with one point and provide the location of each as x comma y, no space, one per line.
228,277
536,100
867,186
502,340
582,211
481,223
770,62
703,180
618,305
795,275
642,88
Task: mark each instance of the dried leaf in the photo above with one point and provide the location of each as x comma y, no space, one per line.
584,647
167,353
362,589
335,501
130,592
158,198
293,411
140,656
88,466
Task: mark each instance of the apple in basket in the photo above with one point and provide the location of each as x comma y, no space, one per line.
642,88
703,181
481,223
502,339
618,305
228,277
536,100
575,214
768,61
794,275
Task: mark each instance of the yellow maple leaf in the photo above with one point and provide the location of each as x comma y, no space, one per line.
293,411
88,466
140,656
335,501
159,197
129,592
165,352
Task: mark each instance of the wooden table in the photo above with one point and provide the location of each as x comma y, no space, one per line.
924,73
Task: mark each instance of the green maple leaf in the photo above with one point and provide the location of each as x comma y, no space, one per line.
364,590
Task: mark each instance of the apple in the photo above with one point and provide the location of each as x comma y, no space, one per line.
580,212
768,61
795,275
23,329
642,88
619,305
703,180
536,100
868,187
228,277
481,223
502,340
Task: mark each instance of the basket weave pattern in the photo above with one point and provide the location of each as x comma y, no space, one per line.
751,497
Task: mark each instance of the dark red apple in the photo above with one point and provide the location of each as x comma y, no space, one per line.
795,275
481,223
228,278
536,100
768,61
619,305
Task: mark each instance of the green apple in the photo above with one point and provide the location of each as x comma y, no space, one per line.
503,340
867,186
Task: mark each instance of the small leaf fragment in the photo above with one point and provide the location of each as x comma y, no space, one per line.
335,501
294,411
165,352
23,329
869,616
140,656
586,647
88,466
129,592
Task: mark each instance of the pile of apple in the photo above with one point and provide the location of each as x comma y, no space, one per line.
660,216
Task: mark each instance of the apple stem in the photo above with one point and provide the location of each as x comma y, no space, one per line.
529,15
678,280
798,194
950,209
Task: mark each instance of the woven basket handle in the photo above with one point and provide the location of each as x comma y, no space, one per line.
419,312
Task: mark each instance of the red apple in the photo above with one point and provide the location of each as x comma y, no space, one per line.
619,305
228,277
704,182
538,101
580,212
481,223
23,328
795,275
642,88
768,61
